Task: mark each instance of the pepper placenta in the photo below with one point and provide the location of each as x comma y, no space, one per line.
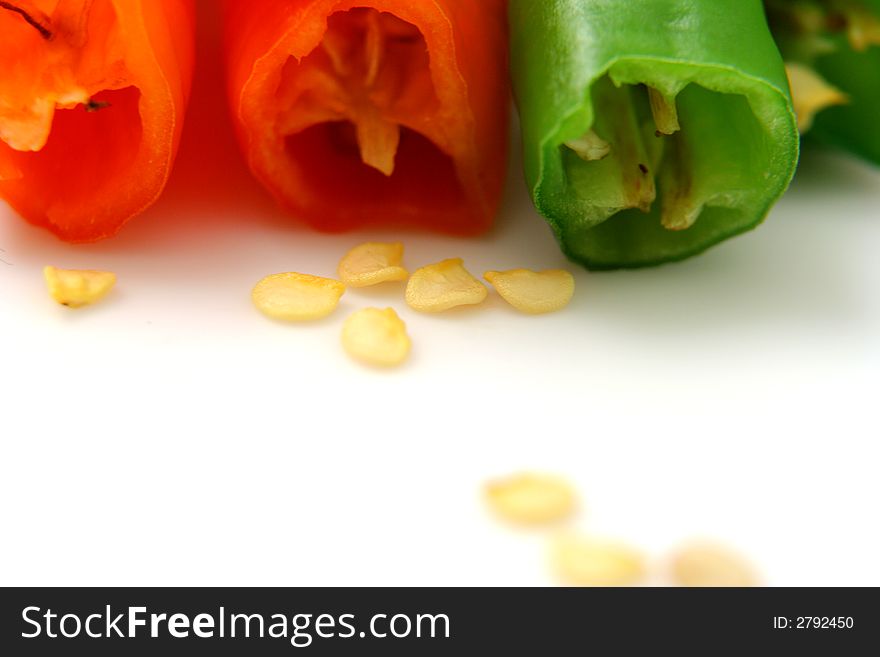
835,42
373,112
92,100
652,129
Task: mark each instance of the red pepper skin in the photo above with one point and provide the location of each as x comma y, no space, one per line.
450,164
108,156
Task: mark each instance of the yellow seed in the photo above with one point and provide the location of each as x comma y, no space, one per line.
442,286
585,561
76,288
811,94
711,565
531,499
376,337
533,292
372,263
297,297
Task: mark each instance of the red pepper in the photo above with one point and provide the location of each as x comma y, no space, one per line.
373,112
92,100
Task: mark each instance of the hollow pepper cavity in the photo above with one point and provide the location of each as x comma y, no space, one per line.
832,50
373,112
652,129
92,99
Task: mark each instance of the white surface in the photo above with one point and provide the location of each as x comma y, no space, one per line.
173,435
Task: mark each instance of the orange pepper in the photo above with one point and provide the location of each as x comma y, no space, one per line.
373,112
92,100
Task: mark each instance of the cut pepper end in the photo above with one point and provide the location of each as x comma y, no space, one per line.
65,166
372,112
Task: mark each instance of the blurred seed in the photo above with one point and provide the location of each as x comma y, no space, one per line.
862,26
372,263
442,286
376,337
811,94
531,499
711,565
76,288
587,561
533,292
297,297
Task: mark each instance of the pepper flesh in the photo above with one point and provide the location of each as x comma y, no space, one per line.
695,110
840,41
92,99
379,112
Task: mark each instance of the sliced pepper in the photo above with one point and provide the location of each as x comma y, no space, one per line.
92,99
373,112
839,42
652,129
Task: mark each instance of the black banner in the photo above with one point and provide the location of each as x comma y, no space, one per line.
422,622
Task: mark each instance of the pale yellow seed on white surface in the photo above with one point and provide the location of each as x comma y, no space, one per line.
811,94
78,287
533,292
372,263
531,499
297,297
442,286
376,337
706,564
587,561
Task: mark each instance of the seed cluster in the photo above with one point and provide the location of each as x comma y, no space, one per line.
379,337
372,336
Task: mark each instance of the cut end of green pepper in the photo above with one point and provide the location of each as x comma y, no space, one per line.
651,146
660,176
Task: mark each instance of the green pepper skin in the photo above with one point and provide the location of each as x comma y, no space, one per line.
734,156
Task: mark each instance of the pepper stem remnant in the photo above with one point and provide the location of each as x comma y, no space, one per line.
665,112
378,141
361,68
640,164
680,208
31,15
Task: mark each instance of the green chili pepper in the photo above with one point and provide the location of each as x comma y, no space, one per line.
840,41
652,129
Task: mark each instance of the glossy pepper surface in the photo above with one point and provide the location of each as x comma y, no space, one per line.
92,101
373,112
652,129
839,40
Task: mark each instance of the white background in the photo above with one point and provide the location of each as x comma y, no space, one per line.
174,436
